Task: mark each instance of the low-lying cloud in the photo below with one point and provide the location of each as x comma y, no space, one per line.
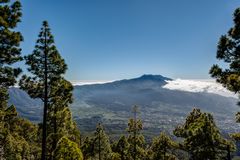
90,82
208,86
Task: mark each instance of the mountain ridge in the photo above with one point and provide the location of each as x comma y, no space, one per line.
110,103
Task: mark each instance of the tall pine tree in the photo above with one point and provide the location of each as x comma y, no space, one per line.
47,83
102,146
18,137
135,138
98,147
10,51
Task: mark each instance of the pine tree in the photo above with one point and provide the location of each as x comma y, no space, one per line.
21,140
135,138
60,122
68,150
100,144
47,68
202,139
10,52
17,136
162,147
88,148
122,147
228,50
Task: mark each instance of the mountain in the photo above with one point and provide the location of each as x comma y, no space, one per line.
26,106
161,107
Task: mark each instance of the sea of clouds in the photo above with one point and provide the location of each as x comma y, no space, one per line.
203,85
208,86
88,82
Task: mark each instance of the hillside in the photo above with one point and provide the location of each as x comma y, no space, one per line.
111,103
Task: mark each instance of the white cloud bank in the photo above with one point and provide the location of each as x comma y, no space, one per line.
208,86
81,83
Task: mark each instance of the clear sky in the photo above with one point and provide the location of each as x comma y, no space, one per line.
116,39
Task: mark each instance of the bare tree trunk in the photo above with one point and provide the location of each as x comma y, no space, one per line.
44,130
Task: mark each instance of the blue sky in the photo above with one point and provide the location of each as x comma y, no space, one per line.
116,39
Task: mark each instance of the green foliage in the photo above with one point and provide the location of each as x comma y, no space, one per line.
67,150
56,67
101,143
122,148
98,146
228,50
18,137
9,54
134,125
135,138
3,98
59,95
88,148
9,42
202,139
162,147
236,136
115,156
59,115
137,142
66,127
16,148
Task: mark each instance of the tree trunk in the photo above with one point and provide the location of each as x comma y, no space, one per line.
44,130
54,145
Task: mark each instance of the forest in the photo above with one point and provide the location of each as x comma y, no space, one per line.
58,136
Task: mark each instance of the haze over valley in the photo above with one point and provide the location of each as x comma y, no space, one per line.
163,103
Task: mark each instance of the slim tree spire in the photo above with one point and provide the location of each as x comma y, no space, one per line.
44,130
100,145
135,109
46,81
135,139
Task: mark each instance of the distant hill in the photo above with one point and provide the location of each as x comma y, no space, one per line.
26,106
160,108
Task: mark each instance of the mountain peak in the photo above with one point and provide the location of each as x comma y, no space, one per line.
153,77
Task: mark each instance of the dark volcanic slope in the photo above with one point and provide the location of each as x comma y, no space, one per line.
26,106
111,103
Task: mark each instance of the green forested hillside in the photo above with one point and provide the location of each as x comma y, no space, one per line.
161,109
